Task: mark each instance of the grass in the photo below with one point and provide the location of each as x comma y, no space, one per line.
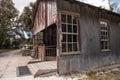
111,75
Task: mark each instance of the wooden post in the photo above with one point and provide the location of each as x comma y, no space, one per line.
41,53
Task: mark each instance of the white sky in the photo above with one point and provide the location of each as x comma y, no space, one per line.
98,3
20,4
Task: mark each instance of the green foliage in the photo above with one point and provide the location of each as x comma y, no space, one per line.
26,17
114,7
26,20
8,14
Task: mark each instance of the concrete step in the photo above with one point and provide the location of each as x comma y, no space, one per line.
42,68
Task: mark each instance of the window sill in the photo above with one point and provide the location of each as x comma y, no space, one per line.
70,53
107,50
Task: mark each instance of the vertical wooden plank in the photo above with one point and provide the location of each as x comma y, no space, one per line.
41,53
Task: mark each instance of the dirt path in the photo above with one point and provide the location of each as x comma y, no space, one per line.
9,61
5,50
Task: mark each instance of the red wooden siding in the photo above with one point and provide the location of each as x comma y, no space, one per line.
46,15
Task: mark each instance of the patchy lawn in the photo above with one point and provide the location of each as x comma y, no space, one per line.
110,74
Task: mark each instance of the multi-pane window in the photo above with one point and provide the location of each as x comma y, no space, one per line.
104,36
69,25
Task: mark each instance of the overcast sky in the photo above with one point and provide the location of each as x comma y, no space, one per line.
20,4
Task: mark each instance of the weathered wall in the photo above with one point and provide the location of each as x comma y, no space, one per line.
51,12
45,15
39,23
90,56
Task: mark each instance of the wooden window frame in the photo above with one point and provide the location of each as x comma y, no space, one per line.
104,22
71,33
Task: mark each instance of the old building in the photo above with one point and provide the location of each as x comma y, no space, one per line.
79,36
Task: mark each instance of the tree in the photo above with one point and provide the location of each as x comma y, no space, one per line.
26,20
8,15
114,6
26,17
